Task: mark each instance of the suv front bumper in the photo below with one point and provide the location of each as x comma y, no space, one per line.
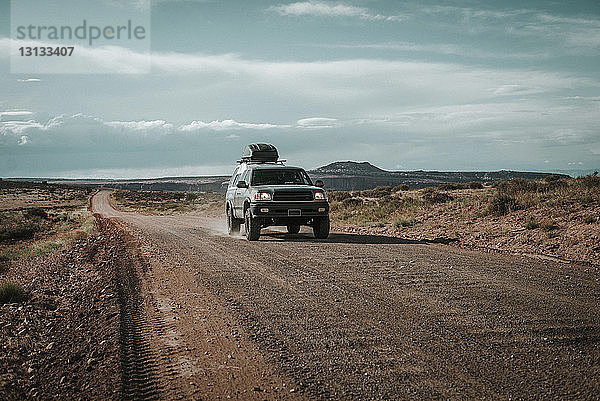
275,209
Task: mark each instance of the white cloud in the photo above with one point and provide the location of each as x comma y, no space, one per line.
440,48
79,129
29,80
317,123
228,125
509,89
326,9
140,125
15,115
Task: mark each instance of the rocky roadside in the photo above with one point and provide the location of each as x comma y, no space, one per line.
63,342
568,238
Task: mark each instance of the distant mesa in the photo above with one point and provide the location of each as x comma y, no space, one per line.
349,168
351,175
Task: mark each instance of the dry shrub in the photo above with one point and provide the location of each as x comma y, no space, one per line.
77,235
377,192
401,187
432,196
404,222
11,293
502,204
338,196
352,202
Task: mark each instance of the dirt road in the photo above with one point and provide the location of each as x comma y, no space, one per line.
358,317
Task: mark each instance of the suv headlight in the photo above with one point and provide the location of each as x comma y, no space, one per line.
262,196
320,196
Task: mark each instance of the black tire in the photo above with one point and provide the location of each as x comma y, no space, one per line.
233,224
293,228
321,227
251,226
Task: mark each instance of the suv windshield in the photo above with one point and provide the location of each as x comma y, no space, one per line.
280,177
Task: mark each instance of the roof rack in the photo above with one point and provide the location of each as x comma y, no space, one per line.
248,161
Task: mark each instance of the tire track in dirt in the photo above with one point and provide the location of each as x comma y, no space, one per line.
138,362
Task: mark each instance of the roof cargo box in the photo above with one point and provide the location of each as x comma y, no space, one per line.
260,152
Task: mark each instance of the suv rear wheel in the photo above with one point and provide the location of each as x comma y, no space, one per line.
293,228
252,226
321,227
233,224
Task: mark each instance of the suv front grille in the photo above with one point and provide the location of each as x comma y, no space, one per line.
293,196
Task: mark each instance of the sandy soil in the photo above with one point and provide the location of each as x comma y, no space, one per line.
355,316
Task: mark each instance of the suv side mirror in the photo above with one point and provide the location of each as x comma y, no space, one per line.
319,183
242,184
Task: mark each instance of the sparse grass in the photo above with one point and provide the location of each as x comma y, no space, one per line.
11,293
158,202
401,187
475,185
350,202
549,226
459,186
404,222
432,196
4,262
378,192
338,196
35,230
21,225
502,198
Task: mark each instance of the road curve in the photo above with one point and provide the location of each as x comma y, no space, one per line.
362,317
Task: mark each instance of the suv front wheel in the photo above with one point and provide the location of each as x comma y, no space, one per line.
321,227
251,226
233,224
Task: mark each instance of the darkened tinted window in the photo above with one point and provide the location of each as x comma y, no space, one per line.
280,177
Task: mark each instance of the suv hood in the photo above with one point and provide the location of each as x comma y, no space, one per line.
286,187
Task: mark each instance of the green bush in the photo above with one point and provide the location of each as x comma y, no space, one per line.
502,204
475,185
532,225
11,293
590,220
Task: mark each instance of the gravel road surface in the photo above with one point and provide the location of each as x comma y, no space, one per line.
358,317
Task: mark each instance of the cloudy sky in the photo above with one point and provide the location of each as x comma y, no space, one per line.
432,85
